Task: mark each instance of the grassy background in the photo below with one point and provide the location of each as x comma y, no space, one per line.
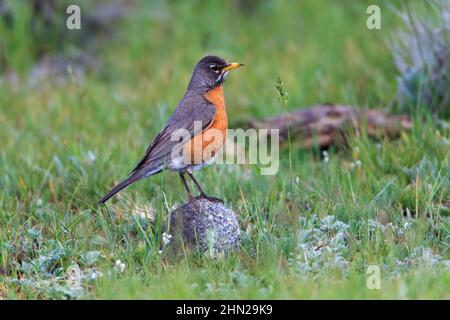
63,146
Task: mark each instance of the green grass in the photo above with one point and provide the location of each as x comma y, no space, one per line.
64,146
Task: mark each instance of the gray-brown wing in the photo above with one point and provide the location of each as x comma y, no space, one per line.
192,108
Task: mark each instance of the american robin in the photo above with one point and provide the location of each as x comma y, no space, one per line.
204,104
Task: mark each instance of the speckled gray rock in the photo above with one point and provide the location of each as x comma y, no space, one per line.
209,226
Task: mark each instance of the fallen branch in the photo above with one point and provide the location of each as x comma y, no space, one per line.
328,124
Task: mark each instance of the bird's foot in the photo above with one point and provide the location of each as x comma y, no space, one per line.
212,199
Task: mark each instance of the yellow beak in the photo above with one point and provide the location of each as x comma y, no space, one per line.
232,66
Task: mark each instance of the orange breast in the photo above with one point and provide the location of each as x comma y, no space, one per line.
206,145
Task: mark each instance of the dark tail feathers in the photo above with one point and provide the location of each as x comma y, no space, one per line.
118,188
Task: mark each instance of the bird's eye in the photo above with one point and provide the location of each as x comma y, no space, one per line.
214,68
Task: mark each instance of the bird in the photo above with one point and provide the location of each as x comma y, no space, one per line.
201,113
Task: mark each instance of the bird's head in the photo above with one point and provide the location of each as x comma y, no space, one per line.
211,72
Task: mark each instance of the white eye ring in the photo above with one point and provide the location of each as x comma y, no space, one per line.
214,68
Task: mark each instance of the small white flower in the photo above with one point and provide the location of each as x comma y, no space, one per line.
355,164
159,251
297,180
95,274
120,266
91,156
39,202
325,156
166,238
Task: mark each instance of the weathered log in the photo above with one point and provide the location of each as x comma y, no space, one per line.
205,225
327,124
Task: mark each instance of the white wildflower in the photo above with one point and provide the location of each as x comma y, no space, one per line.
355,164
95,274
91,156
39,202
166,238
120,266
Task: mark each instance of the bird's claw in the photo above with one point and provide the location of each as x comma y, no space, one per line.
212,199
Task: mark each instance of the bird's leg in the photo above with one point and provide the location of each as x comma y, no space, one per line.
186,186
196,183
202,193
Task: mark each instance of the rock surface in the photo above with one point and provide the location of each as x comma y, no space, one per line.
205,225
